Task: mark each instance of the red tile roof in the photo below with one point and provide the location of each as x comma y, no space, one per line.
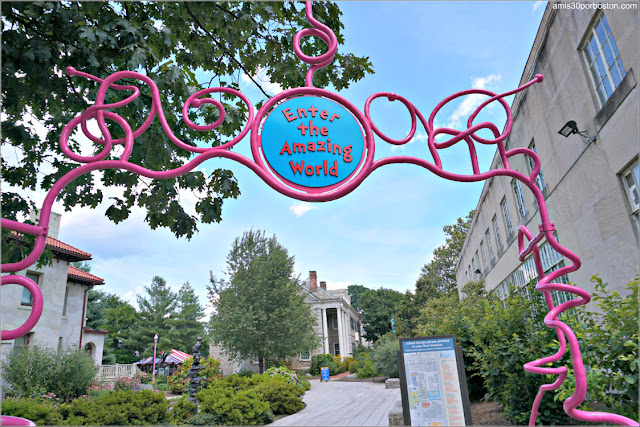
63,247
97,331
77,274
59,246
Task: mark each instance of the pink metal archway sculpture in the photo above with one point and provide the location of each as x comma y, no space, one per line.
262,167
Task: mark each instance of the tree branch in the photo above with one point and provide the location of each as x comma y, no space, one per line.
186,4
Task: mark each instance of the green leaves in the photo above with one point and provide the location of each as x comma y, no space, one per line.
168,41
260,309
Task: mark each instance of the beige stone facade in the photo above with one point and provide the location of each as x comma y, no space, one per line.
64,290
590,187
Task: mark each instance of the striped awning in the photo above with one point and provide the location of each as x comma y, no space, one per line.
179,355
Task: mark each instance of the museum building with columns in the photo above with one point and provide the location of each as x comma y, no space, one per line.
338,328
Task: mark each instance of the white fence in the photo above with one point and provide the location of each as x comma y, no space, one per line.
108,373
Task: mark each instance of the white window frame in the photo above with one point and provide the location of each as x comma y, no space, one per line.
485,265
631,184
519,195
487,238
540,182
506,215
23,341
600,72
26,300
496,231
305,356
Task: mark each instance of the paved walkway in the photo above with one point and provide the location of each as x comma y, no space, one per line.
338,403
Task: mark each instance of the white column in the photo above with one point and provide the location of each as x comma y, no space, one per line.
340,330
325,334
347,329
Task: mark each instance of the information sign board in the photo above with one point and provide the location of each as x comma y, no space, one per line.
324,374
433,383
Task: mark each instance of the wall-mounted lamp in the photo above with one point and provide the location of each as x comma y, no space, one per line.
570,128
478,271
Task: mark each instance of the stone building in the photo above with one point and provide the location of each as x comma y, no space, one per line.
338,327
64,290
589,177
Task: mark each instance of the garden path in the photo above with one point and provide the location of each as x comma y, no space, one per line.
338,403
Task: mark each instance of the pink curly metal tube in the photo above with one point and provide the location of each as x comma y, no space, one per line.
366,166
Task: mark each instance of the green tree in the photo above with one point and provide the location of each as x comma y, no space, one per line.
82,265
167,41
185,323
108,311
378,308
354,292
437,277
156,314
260,310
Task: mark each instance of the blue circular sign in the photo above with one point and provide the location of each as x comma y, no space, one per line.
312,142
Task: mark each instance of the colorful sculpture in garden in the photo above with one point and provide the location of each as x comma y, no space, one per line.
312,144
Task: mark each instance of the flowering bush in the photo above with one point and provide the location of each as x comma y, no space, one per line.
96,389
179,381
126,383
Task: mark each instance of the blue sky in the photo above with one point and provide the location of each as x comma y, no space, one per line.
382,233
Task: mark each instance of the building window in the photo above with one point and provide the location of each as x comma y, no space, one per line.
517,191
23,341
336,349
334,322
540,183
507,217
496,231
27,298
66,299
305,356
630,181
603,59
484,258
353,348
487,238
256,360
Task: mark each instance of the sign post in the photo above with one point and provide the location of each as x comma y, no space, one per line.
433,384
324,374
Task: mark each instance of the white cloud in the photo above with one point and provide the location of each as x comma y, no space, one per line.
536,5
301,208
338,285
417,137
263,80
471,102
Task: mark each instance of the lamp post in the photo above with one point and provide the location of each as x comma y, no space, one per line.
155,345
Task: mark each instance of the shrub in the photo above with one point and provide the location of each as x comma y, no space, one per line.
322,361
245,373
126,383
306,385
96,390
367,371
117,408
204,419
242,407
505,338
385,356
609,345
36,370
163,387
284,397
179,380
353,367
344,365
182,410
31,409
361,354
161,379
